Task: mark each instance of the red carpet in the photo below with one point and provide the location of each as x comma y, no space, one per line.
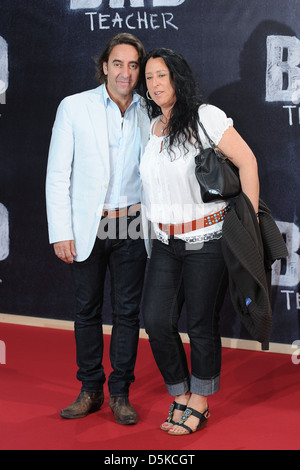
258,406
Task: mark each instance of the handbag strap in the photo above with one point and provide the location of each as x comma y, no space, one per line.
211,143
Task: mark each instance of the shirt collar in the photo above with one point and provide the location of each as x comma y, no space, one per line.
107,98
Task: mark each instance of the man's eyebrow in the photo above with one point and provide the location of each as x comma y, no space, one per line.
130,62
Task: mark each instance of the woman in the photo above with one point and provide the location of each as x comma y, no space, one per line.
186,262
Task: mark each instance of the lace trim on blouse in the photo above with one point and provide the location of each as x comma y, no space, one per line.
189,237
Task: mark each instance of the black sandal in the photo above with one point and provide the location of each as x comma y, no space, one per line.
203,417
174,406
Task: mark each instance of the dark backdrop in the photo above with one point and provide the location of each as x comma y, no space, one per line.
246,59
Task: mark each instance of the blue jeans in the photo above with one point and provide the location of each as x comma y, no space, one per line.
180,273
126,260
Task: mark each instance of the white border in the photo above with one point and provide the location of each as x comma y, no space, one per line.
69,325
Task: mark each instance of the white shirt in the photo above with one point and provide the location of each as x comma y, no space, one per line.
171,190
124,154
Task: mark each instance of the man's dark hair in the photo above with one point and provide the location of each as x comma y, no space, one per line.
122,38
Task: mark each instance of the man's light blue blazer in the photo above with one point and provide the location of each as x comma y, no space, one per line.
78,168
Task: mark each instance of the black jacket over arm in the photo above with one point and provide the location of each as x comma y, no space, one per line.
250,248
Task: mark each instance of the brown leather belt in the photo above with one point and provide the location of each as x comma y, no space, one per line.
116,213
186,227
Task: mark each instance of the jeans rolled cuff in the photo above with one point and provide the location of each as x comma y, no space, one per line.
205,387
178,389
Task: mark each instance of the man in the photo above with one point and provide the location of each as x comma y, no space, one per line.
92,193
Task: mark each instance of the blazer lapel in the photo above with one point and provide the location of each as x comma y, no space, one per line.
98,119
97,112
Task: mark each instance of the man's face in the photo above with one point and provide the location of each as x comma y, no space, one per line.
122,71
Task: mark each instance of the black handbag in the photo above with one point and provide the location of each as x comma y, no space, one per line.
217,176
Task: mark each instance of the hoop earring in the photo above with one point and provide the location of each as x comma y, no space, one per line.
148,96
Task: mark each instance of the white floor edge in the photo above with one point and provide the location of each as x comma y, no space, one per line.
68,325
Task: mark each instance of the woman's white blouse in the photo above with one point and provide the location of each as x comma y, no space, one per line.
171,192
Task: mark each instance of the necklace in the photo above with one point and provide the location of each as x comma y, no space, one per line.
164,124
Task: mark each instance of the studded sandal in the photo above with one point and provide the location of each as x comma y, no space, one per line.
203,417
174,406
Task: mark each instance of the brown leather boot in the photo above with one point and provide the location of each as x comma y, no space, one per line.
86,403
123,411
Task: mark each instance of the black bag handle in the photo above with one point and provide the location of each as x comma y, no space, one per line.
211,143
218,153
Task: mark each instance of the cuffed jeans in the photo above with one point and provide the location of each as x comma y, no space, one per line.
126,259
180,273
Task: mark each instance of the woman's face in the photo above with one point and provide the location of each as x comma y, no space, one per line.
159,83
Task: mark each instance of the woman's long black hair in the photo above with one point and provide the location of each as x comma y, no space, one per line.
183,124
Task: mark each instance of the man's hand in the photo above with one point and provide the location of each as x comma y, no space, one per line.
65,250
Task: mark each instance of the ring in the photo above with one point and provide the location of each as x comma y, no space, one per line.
59,254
